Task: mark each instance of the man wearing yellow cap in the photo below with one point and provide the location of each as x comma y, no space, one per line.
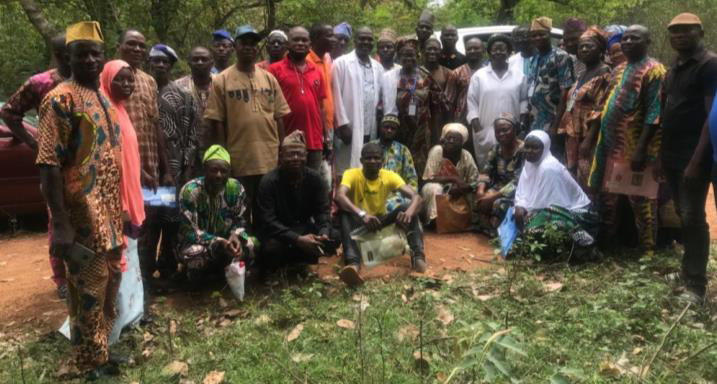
212,227
688,93
80,167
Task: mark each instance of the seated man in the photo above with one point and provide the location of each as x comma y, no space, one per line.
397,158
212,229
362,199
293,204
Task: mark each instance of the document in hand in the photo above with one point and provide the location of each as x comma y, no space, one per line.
622,180
163,197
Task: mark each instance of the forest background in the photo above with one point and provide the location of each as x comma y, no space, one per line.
26,25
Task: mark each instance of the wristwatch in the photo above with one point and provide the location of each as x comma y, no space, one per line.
362,213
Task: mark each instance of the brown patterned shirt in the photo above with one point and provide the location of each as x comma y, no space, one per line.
143,111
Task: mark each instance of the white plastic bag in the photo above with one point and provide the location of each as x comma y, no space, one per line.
380,246
235,273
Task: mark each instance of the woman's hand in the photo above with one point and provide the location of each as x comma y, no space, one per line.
519,216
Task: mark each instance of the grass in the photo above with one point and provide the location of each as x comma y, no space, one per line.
598,323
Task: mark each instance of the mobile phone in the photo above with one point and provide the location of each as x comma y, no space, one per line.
80,254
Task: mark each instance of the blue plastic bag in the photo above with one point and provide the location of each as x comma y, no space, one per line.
508,232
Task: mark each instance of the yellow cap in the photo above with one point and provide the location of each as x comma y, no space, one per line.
542,23
84,30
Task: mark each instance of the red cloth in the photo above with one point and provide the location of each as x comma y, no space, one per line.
305,106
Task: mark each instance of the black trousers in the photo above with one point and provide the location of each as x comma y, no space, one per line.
160,223
690,199
349,222
274,253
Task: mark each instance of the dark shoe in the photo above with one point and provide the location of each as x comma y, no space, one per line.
108,369
350,275
62,291
117,358
692,297
419,265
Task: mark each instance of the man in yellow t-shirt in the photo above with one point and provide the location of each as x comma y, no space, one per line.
362,199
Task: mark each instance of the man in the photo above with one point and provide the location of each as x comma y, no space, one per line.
572,30
550,76
450,57
142,108
179,124
222,45
424,28
27,97
355,79
629,134
343,35
294,205
386,49
199,82
322,41
397,158
524,49
87,226
362,199
688,94
212,230
304,89
457,86
244,113
275,48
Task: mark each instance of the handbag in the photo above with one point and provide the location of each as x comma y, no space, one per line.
454,215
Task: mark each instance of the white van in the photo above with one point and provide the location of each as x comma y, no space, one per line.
485,32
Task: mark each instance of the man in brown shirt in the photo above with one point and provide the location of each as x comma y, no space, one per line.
244,112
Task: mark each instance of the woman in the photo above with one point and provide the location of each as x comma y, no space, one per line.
499,176
117,82
440,74
547,197
411,94
581,120
396,158
450,168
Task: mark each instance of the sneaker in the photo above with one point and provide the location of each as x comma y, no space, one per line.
62,291
350,275
419,265
674,278
690,296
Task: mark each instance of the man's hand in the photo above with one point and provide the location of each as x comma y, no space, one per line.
149,181
344,133
638,162
63,236
232,246
310,243
371,222
475,125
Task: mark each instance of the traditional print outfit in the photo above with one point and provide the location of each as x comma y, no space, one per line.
549,76
457,91
200,96
397,158
633,102
401,95
80,134
500,174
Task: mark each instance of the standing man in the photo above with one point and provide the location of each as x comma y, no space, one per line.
304,90
629,134
550,76
275,48
450,57
524,49
355,78
27,97
80,167
424,28
142,108
343,35
386,49
244,114
688,94
572,30
322,41
222,45
457,86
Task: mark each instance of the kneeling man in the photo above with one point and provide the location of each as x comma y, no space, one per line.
362,199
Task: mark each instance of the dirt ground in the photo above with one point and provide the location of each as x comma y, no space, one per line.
29,301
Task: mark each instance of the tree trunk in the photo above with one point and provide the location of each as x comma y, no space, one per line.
38,20
505,13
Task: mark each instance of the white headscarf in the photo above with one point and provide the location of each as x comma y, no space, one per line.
547,182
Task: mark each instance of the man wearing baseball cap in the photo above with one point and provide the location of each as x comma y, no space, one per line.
688,94
222,44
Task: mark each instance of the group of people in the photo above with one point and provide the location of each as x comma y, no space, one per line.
277,162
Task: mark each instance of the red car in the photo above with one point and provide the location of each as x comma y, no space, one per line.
19,176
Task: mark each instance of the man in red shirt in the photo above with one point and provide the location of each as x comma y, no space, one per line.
303,87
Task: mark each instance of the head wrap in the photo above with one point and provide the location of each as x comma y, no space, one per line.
391,119
597,36
109,71
216,152
427,17
294,140
222,34
542,23
163,50
456,128
547,182
411,40
613,29
573,24
343,29
505,116
686,19
499,37
614,39
278,32
387,34
84,30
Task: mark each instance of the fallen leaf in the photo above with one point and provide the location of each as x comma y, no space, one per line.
7,280
359,297
186,381
294,334
4,263
147,337
223,303
444,315
301,357
484,297
225,323
172,327
147,352
637,351
175,368
214,377
407,332
262,320
232,313
422,361
364,305
347,324
553,287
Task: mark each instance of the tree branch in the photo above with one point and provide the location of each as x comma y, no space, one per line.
38,20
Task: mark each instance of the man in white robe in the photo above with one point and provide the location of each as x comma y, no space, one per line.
356,83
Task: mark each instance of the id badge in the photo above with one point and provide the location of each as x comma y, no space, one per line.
531,90
412,108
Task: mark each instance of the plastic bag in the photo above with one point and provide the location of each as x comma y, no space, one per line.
235,273
380,246
508,232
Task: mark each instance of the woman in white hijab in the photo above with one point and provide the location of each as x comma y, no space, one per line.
548,194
